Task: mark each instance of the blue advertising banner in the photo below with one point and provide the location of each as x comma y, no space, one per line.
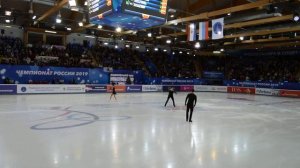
95,88
265,52
8,89
174,81
291,86
134,88
270,85
213,75
179,81
52,75
136,76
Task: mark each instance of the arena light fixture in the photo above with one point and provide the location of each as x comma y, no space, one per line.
173,53
137,47
127,46
172,16
90,37
155,49
229,14
165,50
168,41
33,17
180,52
222,50
197,45
296,17
149,34
116,46
80,24
7,21
8,13
58,18
119,29
52,32
242,38
72,3
105,43
69,28
100,26
217,52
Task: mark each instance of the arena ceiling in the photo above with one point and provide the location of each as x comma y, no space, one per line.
267,23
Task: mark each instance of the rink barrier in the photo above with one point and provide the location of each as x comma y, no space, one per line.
80,89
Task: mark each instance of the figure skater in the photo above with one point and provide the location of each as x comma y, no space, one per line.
171,93
190,102
113,92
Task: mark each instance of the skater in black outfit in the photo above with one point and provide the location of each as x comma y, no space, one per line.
171,93
190,102
113,92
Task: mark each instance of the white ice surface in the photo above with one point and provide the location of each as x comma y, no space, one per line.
89,131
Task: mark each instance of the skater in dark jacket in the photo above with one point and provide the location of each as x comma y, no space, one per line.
190,102
171,95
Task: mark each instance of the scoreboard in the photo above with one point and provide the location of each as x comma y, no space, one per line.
129,14
150,7
97,7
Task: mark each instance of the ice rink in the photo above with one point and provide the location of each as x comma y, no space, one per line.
89,131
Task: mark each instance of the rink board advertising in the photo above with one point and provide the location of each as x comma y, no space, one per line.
8,89
95,88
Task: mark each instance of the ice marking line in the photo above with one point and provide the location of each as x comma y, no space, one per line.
61,115
85,120
55,117
94,118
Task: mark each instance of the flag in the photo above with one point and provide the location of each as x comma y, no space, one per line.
218,28
191,32
203,31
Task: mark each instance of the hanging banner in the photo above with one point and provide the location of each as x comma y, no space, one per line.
218,29
203,30
191,32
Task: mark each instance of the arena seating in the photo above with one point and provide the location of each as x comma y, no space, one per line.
277,69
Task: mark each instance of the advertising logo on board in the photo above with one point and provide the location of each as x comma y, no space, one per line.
133,88
205,88
186,88
119,88
8,89
241,90
31,89
267,92
290,93
151,88
95,88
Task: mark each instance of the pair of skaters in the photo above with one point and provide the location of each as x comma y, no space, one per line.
190,102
